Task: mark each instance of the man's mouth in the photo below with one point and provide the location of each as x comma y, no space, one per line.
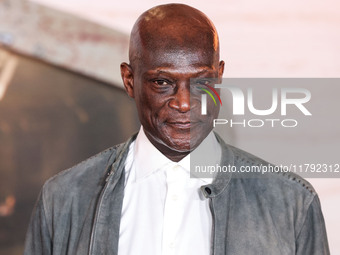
182,124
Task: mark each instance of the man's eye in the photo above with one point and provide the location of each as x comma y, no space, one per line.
161,82
203,82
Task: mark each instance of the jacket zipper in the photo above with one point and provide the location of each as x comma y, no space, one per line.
213,227
97,211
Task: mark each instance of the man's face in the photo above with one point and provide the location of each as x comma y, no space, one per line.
170,114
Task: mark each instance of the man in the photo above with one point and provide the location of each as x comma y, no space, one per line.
138,197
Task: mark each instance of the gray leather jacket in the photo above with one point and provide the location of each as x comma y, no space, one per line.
78,211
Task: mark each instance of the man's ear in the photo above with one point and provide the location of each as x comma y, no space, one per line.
127,76
220,70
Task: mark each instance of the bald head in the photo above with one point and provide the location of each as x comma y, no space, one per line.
172,28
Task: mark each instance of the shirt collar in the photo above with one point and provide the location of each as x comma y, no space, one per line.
149,159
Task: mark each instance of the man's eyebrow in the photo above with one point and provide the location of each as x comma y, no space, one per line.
203,71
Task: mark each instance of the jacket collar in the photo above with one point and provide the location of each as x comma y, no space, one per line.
222,179
116,163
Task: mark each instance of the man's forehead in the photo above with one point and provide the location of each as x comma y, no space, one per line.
186,72
180,57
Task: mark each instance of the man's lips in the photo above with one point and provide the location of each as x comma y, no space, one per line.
182,124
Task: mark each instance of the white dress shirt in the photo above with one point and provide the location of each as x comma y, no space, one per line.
164,211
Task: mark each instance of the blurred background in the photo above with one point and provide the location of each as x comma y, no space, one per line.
62,100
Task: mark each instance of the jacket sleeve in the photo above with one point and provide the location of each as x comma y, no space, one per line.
38,237
312,239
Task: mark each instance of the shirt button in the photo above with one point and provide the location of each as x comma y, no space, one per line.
172,245
174,197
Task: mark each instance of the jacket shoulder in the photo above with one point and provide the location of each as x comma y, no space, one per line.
84,175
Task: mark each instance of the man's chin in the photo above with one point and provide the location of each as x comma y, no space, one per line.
182,140
185,144
179,144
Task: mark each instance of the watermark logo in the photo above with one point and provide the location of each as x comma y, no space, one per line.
283,101
239,100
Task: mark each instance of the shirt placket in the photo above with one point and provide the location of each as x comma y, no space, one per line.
172,210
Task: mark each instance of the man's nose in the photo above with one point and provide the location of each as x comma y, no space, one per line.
181,99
